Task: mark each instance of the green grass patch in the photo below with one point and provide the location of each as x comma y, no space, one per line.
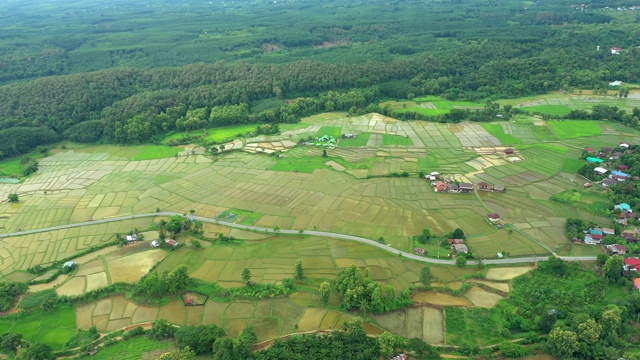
388,139
571,165
329,131
560,110
498,131
13,166
215,134
473,326
150,152
422,110
133,348
427,98
240,216
569,129
360,141
37,298
54,328
559,149
306,164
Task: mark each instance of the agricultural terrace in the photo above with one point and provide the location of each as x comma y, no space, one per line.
349,191
561,103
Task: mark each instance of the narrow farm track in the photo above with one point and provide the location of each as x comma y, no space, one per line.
359,239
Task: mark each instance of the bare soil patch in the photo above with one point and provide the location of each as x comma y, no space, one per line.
482,298
131,268
435,298
506,273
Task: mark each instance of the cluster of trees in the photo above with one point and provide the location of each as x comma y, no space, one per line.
608,113
575,228
153,286
11,342
589,335
9,291
206,339
19,140
350,342
360,292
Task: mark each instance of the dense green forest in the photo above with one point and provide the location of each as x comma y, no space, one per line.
127,73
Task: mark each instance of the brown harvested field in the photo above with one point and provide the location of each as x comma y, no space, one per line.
414,323
213,312
504,287
482,298
119,304
394,321
289,312
131,268
73,287
435,298
144,314
84,314
96,281
173,312
101,322
103,307
129,310
239,310
92,267
455,285
506,273
265,328
233,326
248,235
85,258
263,308
118,324
50,285
305,299
432,326
329,320
194,315
311,319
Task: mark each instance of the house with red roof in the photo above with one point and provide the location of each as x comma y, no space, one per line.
636,283
622,167
440,186
616,50
632,264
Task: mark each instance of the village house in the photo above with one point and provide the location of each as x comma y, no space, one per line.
493,217
499,188
131,238
617,249
590,150
509,151
593,237
456,241
440,186
624,207
616,50
619,175
594,160
624,145
453,188
419,251
622,220
608,182
622,167
461,248
636,283
631,264
629,236
587,185
600,170
465,187
606,149
608,231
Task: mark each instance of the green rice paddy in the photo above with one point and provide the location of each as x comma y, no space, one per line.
360,141
216,134
330,131
151,152
560,110
569,129
388,139
53,328
498,131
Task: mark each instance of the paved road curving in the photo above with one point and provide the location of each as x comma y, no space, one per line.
359,239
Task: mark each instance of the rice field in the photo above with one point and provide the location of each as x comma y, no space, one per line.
569,129
53,328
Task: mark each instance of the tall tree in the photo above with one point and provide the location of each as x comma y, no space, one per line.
299,270
246,275
425,276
